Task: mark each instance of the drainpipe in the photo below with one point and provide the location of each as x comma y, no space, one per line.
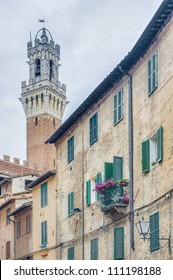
14,237
130,146
130,133
83,199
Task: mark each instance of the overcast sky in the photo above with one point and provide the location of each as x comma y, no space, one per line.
94,36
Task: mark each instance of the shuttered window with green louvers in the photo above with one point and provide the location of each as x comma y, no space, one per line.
88,192
70,203
159,144
145,156
117,168
44,233
93,129
94,249
70,149
71,253
108,170
119,243
154,232
98,181
152,73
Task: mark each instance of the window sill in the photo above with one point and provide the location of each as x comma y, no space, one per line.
150,93
118,121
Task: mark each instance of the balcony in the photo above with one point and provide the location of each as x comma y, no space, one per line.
113,198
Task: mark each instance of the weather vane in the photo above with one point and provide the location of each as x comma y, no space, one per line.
43,21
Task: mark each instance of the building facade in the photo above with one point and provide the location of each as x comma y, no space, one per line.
122,131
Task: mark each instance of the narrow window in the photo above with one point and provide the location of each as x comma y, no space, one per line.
7,218
152,74
8,250
118,106
70,149
28,223
94,249
36,99
119,243
37,67
18,229
154,232
71,253
70,203
44,195
44,234
51,70
36,121
93,129
53,122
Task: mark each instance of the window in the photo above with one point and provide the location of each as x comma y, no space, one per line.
53,122
88,192
94,249
152,74
50,70
98,181
44,233
28,223
37,67
115,169
36,121
154,232
0,190
18,229
118,106
7,218
70,149
94,129
152,151
71,253
119,243
70,203
8,249
44,198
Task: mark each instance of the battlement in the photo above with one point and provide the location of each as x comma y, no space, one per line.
27,88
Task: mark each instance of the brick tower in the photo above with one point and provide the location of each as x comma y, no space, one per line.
43,99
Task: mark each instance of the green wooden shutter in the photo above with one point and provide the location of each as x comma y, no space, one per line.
93,128
94,249
118,168
154,232
145,156
159,144
119,243
71,253
108,168
149,77
152,73
88,192
98,181
70,203
70,149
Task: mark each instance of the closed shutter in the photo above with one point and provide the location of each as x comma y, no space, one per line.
145,156
152,73
44,195
118,168
98,181
88,192
8,250
119,243
154,232
71,253
70,149
159,144
44,233
94,128
94,249
70,203
108,168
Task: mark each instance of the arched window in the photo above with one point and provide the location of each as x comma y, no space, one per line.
50,70
31,101
37,67
36,99
26,100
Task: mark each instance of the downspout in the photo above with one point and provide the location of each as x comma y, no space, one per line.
130,134
130,148
14,237
83,229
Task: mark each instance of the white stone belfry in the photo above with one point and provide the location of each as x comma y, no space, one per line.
44,93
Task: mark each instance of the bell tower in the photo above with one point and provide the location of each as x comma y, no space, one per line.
43,99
